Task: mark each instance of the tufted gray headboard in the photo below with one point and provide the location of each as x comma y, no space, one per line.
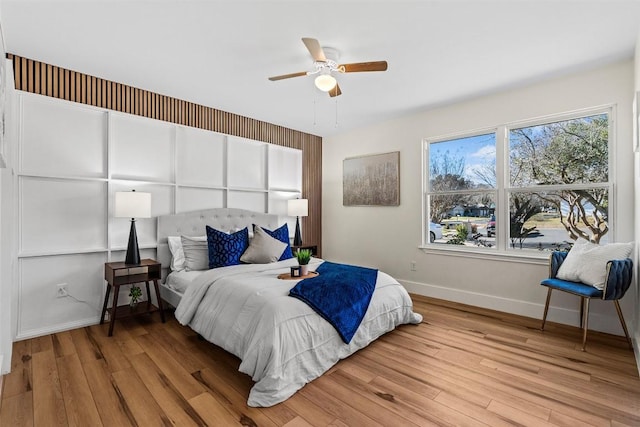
193,224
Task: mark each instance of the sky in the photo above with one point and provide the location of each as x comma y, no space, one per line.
477,151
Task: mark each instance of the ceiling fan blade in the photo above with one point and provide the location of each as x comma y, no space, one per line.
335,91
357,67
314,49
287,76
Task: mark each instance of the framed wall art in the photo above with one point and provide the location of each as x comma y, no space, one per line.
371,180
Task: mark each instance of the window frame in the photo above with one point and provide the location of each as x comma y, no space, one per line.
503,188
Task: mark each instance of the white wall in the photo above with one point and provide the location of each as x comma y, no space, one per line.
635,330
72,158
7,229
5,189
6,267
388,237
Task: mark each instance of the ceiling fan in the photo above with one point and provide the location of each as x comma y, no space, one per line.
325,63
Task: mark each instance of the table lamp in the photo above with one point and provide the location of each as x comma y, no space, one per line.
132,204
297,208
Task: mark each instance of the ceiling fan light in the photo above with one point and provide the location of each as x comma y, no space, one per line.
325,82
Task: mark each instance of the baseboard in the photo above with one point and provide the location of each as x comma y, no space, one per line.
597,322
32,333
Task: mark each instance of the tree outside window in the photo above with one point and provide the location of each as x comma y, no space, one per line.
556,185
461,190
573,154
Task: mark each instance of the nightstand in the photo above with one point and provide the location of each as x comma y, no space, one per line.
312,247
119,273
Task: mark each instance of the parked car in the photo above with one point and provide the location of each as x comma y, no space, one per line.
491,226
435,231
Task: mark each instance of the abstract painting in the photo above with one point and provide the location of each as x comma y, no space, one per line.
371,180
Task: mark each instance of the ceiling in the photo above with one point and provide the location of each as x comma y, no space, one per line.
220,53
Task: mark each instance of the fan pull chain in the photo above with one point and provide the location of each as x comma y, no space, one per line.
314,110
336,111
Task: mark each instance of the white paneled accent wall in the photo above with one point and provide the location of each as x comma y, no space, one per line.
72,159
61,215
141,148
201,158
82,155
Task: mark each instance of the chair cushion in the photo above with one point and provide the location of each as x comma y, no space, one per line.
587,262
573,287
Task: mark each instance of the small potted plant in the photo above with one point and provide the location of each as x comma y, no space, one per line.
303,256
135,293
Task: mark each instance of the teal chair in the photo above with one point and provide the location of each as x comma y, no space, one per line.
619,274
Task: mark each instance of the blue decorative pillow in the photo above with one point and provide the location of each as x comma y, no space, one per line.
282,234
226,249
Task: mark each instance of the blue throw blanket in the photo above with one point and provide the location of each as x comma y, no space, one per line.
340,293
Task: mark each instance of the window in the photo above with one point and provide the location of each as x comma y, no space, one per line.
544,186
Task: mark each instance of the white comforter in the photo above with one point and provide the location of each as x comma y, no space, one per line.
282,342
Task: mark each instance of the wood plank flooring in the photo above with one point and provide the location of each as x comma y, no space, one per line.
463,366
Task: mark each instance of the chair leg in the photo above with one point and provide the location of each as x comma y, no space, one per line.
581,312
546,309
585,322
624,325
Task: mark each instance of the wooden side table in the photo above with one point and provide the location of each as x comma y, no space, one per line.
119,273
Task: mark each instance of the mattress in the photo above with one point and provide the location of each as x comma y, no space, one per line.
179,281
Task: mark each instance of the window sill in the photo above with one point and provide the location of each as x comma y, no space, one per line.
538,258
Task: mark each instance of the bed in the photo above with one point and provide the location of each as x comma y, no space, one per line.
246,309
193,224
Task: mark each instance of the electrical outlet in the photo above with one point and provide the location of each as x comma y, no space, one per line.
413,266
62,290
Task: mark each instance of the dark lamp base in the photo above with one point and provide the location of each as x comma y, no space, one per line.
297,239
133,254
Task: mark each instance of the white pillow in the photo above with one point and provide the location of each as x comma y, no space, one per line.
193,253
586,262
177,254
178,260
263,249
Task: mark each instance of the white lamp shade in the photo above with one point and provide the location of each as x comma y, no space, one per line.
298,207
132,204
325,82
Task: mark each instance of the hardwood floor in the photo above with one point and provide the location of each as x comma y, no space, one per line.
462,366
